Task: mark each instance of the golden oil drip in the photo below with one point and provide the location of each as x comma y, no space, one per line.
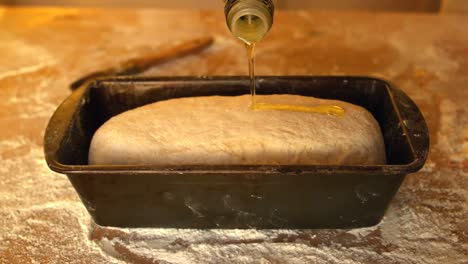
319,109
251,58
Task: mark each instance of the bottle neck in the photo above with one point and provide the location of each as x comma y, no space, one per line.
249,20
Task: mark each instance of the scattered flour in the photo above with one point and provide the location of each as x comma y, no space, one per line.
43,221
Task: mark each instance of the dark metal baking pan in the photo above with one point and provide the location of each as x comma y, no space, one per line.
256,196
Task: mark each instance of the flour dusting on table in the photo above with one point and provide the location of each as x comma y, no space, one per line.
42,219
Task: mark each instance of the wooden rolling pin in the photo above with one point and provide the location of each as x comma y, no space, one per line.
145,61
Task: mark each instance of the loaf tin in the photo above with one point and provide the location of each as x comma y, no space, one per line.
250,196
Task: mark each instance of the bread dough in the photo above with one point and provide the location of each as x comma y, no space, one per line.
221,130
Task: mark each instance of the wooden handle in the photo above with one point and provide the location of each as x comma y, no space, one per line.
145,61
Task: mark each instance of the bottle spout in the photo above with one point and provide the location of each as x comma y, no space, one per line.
249,20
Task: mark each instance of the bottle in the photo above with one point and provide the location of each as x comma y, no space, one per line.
249,20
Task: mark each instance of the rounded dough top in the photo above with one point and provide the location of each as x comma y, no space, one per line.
223,130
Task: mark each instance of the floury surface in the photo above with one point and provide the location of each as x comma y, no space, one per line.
44,50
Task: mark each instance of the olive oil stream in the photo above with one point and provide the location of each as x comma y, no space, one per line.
321,109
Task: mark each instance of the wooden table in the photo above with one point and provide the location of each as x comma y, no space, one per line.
43,50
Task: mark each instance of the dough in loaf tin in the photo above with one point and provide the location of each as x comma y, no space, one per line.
223,130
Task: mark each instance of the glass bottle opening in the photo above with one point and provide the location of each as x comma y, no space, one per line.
249,20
